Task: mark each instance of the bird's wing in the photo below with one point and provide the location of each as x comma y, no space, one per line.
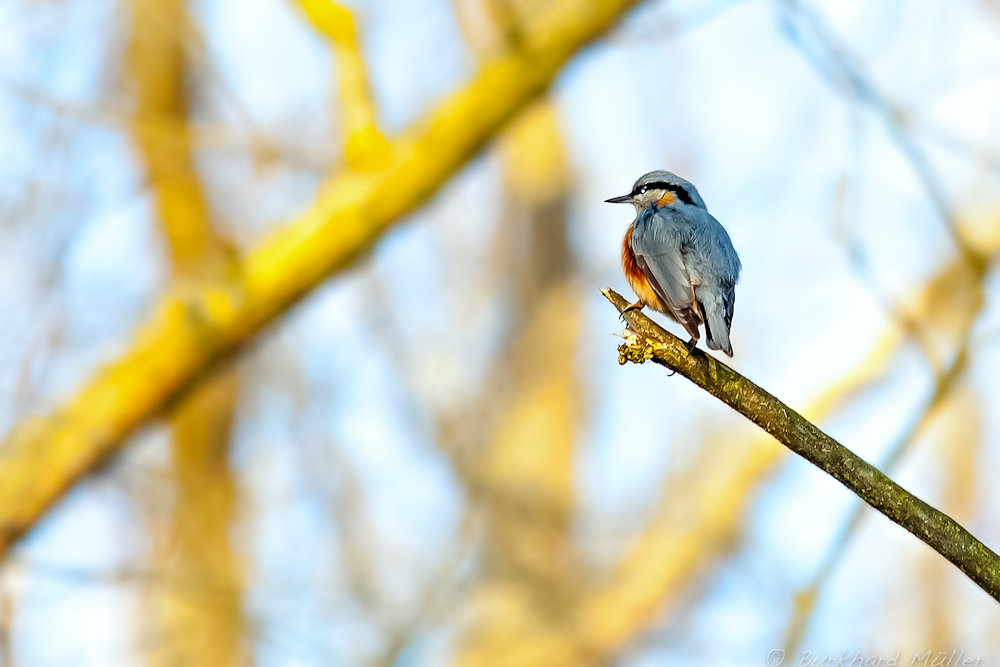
713,264
729,301
659,250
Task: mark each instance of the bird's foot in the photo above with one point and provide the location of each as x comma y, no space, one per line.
691,345
638,305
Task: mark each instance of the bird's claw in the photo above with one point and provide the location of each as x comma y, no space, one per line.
634,306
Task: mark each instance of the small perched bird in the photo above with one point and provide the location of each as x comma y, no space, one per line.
678,259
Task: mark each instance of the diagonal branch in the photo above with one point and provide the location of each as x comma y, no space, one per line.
934,528
197,327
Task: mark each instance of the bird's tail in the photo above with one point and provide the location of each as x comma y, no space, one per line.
716,330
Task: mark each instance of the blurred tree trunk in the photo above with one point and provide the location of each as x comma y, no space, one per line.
531,576
195,601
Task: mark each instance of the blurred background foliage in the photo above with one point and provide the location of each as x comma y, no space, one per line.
434,457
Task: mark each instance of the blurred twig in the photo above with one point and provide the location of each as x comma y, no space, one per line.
158,79
664,26
198,136
833,61
944,535
366,148
490,27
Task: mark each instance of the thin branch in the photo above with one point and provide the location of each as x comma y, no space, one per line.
647,341
651,581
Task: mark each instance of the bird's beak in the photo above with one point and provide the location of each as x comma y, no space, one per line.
624,199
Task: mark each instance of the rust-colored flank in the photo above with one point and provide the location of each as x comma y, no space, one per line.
637,279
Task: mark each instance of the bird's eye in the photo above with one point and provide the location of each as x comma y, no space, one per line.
643,189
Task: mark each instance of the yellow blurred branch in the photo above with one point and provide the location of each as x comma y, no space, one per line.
196,328
366,149
193,625
934,528
156,68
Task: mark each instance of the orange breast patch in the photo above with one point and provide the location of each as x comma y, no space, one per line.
637,280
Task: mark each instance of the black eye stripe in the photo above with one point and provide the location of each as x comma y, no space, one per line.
681,193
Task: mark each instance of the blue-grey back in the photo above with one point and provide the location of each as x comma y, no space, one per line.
693,231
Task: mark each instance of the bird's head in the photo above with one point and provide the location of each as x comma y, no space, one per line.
660,188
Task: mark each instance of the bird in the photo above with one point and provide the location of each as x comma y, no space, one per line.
679,260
